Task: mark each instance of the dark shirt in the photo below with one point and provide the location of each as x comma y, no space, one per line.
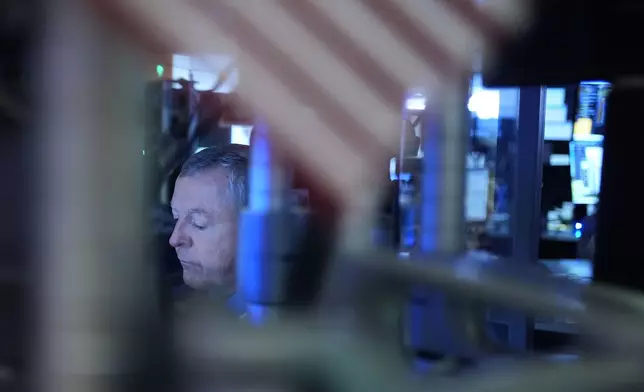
185,297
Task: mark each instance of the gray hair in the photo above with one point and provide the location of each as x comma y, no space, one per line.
233,158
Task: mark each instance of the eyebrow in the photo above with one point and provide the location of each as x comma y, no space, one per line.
193,211
197,211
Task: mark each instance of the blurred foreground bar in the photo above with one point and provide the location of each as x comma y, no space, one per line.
96,287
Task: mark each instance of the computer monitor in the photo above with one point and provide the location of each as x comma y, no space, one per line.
586,155
591,108
556,124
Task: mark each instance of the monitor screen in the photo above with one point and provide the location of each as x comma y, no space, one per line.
556,125
477,195
240,134
591,110
585,169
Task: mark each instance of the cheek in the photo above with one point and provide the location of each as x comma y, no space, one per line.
217,245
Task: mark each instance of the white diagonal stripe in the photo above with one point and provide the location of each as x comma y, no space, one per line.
320,64
448,29
359,23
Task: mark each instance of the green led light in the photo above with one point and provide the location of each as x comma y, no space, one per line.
160,70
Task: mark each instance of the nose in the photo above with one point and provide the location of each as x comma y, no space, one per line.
178,238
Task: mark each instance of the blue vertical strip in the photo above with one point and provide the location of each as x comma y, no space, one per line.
260,169
428,327
434,152
253,263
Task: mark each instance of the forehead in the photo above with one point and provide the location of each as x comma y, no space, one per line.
202,191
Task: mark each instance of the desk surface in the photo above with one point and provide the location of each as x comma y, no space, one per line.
581,269
577,269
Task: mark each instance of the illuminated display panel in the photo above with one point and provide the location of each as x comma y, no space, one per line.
206,71
586,158
591,110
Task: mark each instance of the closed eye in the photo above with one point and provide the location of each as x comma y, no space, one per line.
198,222
198,227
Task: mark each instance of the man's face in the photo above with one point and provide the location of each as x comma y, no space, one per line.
205,232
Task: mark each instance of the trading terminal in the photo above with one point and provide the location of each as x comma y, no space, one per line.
543,197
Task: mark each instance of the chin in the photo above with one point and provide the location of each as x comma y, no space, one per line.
194,282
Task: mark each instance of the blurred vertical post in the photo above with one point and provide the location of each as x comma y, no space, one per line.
443,184
93,279
442,231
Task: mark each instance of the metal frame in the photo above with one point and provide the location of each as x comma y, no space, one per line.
526,206
525,147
